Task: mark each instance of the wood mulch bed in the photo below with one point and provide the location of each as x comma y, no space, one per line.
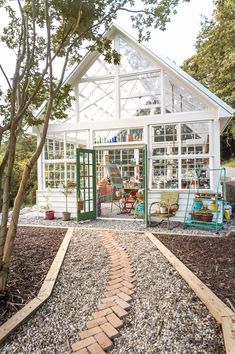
211,259
34,251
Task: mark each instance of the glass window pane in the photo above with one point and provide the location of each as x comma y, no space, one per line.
180,99
100,68
165,174
90,170
195,138
54,175
71,172
165,140
132,59
189,170
96,100
140,95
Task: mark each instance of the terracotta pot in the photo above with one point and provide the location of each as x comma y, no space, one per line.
66,216
49,215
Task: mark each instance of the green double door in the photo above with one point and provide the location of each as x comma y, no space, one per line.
86,183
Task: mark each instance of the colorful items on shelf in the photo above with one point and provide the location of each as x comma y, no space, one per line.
228,211
197,204
213,206
119,137
211,196
211,215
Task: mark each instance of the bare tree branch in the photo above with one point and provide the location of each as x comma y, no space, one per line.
5,75
136,11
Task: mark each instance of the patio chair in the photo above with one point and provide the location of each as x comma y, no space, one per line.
165,208
129,202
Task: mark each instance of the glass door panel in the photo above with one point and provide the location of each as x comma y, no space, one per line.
86,184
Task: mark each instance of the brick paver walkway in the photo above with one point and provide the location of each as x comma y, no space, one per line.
115,303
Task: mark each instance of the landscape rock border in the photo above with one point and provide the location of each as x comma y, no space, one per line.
44,293
219,310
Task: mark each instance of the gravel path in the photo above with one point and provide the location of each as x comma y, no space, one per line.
81,282
166,317
121,224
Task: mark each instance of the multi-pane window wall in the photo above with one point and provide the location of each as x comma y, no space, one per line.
129,162
178,151
140,95
136,87
180,99
60,157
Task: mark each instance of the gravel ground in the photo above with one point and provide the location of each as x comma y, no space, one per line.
74,298
122,224
166,317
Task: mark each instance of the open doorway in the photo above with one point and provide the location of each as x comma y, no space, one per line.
120,181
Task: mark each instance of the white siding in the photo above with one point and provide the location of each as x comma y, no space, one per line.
56,202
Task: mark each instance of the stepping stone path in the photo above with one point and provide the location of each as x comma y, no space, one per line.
115,303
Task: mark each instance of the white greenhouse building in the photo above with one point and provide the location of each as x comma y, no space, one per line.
143,125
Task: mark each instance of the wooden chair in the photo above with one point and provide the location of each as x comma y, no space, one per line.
129,202
169,201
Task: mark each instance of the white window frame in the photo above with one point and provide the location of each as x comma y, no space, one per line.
179,156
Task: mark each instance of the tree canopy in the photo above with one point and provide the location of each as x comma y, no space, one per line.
214,62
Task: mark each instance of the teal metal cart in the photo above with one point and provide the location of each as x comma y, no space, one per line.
201,195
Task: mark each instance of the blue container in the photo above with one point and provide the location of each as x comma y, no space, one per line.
197,204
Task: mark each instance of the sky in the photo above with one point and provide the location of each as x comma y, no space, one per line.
176,43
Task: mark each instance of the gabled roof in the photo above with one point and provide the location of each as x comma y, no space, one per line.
77,71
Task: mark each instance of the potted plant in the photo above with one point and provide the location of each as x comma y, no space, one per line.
67,189
49,214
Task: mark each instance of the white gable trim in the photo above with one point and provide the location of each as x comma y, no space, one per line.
224,109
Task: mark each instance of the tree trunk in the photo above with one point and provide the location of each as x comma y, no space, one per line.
3,280
7,241
2,169
5,206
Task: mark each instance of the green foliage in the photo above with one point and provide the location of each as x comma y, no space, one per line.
214,62
26,145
